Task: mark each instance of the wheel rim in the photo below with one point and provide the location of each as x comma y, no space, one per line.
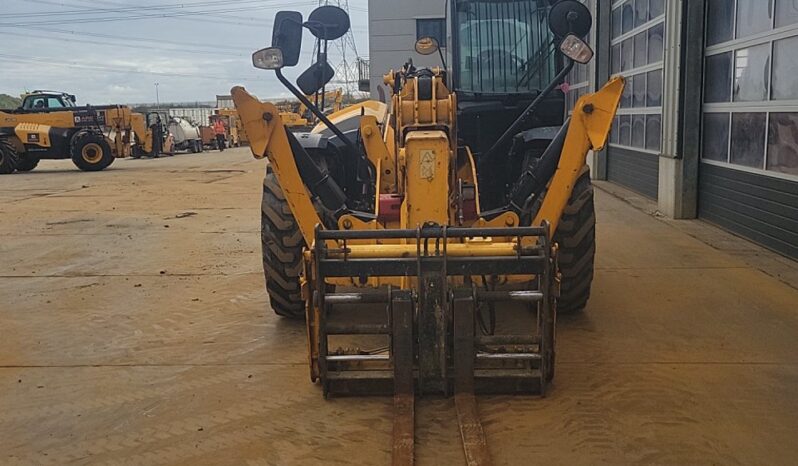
92,152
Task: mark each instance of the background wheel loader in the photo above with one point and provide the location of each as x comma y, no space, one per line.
404,234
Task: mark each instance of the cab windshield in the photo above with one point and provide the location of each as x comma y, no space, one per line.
43,102
505,46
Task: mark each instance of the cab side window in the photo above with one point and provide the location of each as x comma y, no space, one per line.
55,102
35,104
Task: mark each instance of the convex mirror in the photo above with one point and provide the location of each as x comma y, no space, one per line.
328,22
570,17
427,46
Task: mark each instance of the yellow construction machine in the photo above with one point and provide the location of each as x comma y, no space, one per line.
49,125
298,117
404,234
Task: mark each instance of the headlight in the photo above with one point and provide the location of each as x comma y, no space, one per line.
576,49
268,59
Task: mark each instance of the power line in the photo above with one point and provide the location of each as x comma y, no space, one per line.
218,17
130,38
123,42
144,16
236,21
115,10
215,53
50,61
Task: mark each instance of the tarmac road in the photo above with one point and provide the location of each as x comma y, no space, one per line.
135,329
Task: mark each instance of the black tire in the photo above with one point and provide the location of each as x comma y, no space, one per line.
27,164
282,243
91,152
576,236
9,160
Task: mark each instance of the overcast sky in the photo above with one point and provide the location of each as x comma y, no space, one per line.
114,51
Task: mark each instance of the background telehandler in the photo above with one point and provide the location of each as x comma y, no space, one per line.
411,231
49,125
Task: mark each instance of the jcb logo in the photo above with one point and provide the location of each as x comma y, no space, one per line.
33,138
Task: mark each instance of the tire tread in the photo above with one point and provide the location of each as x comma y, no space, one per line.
576,236
282,244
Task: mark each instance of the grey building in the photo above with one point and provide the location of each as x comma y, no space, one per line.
708,126
394,27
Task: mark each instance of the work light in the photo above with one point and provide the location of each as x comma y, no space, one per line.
576,49
268,59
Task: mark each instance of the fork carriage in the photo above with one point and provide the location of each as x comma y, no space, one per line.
431,314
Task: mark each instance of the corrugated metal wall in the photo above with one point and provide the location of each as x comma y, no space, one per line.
635,170
761,208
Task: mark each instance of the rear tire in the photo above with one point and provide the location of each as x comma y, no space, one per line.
91,152
27,164
282,243
9,160
576,236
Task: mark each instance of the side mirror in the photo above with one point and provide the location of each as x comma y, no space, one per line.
570,17
576,49
315,77
268,59
328,22
287,36
427,46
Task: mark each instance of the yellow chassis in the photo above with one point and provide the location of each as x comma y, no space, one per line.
420,166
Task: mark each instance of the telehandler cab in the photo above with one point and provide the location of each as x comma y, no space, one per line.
469,190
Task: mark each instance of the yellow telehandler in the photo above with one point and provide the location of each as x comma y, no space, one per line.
50,125
409,229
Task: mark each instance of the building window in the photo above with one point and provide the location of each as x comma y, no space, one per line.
637,53
783,143
751,86
432,27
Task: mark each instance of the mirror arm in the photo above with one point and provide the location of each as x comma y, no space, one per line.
313,108
443,60
513,129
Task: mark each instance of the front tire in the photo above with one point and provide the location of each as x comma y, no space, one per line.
282,243
91,152
27,163
9,160
576,236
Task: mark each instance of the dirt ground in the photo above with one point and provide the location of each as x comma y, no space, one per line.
135,329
